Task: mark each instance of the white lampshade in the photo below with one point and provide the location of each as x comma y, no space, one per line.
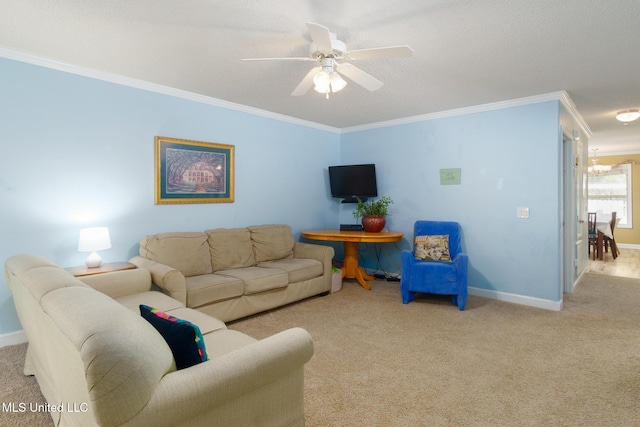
93,240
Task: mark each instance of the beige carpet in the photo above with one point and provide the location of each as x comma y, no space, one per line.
378,362
16,389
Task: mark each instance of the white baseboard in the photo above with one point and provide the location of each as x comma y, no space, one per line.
628,245
507,297
12,338
516,299
579,279
531,301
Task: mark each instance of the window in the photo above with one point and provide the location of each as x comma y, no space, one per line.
610,191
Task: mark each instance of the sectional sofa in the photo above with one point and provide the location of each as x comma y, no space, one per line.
99,362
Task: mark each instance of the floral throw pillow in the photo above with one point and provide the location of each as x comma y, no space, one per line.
432,248
183,337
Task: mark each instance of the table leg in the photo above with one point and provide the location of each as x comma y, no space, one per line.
351,268
600,246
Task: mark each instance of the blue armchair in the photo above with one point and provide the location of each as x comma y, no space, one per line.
436,277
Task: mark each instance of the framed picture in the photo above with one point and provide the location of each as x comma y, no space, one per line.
193,171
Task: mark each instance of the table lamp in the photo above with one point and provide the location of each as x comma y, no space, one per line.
93,240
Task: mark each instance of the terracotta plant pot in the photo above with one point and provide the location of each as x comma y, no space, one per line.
373,224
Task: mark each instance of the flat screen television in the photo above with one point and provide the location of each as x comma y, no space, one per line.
349,181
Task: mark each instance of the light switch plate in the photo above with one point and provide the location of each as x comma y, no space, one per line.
523,213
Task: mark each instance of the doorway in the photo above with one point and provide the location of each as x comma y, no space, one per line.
574,212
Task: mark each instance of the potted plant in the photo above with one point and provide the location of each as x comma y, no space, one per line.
373,213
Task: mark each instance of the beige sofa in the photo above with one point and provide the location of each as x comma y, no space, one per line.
233,273
98,362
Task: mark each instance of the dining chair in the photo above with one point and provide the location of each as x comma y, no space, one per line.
593,235
611,240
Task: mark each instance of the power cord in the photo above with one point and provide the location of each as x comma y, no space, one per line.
378,250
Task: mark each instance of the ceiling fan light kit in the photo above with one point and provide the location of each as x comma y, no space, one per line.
322,82
337,82
332,55
328,80
628,115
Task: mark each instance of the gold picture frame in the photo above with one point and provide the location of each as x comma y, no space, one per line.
193,171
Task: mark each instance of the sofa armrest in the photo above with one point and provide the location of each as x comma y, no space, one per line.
322,253
170,280
461,262
117,284
268,373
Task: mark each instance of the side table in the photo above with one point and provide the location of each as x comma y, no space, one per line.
351,268
108,267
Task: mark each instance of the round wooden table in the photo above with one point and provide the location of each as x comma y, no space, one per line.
351,268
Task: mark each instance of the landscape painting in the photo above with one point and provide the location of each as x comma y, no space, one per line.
193,171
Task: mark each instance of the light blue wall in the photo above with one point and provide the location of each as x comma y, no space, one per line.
78,152
509,159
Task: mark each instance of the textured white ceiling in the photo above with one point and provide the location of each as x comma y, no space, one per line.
466,52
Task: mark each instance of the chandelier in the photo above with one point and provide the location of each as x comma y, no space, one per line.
595,168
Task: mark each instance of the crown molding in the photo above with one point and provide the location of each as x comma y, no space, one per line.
617,153
563,97
571,108
33,59
29,58
622,153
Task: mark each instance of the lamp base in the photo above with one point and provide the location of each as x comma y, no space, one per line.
94,260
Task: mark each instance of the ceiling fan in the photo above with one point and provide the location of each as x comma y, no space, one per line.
332,55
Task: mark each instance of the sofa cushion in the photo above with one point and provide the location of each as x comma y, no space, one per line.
298,269
272,242
208,288
230,248
258,279
187,252
152,298
120,283
183,337
205,322
225,341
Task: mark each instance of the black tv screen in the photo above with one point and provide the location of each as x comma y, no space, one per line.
349,181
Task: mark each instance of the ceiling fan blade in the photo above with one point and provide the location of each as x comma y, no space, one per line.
357,75
306,82
381,53
292,58
321,37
